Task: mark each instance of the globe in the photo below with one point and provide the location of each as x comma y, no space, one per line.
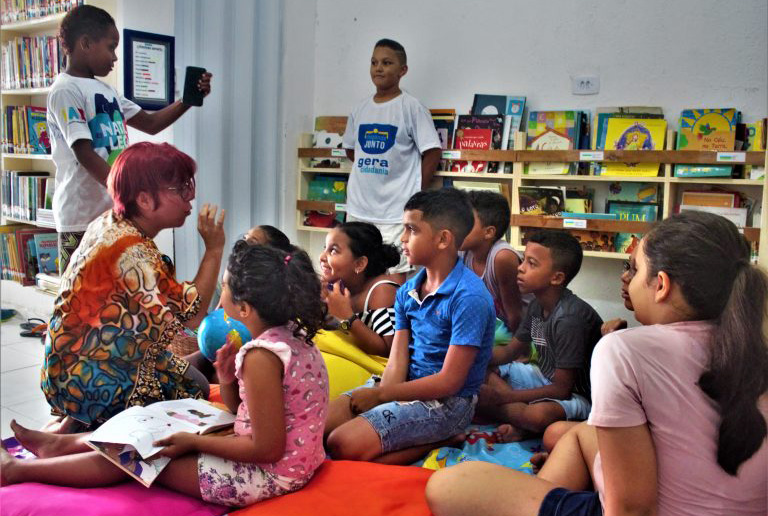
215,329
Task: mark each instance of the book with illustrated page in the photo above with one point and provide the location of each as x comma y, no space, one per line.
127,439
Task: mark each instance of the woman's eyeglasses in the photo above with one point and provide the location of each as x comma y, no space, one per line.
186,191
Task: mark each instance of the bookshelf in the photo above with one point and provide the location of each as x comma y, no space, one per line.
669,186
15,295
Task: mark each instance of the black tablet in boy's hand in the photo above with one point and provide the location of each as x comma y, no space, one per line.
192,94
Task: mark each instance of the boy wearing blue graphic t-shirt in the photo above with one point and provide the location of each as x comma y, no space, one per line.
87,121
444,327
393,146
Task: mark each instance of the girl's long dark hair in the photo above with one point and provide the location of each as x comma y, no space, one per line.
709,259
280,286
365,240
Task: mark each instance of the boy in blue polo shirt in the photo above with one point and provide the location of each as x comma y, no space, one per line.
444,326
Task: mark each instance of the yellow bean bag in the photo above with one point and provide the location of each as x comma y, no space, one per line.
348,366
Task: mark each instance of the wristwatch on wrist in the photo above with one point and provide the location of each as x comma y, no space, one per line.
347,324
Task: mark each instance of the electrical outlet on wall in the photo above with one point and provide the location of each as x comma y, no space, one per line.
585,85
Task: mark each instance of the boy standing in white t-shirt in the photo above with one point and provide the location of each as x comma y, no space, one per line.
87,120
393,145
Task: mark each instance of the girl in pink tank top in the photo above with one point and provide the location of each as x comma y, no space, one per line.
277,384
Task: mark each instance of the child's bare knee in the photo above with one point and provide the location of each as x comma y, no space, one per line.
442,489
342,446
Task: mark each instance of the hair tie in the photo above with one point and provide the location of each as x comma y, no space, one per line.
287,259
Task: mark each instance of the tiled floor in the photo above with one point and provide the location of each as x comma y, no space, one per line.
20,395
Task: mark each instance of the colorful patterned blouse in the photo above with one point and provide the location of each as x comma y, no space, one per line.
119,306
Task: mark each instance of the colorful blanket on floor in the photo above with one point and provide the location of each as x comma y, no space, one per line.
482,444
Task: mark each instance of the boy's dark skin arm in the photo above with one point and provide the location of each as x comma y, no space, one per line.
512,351
93,163
153,123
429,162
506,264
496,390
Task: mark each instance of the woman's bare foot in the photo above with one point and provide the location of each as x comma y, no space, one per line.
537,460
45,444
7,467
507,433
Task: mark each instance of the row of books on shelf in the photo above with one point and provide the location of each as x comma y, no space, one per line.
28,196
495,119
31,62
22,10
636,202
27,252
24,130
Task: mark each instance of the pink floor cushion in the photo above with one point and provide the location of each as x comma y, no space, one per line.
130,498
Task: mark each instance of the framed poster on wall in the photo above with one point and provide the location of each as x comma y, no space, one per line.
148,69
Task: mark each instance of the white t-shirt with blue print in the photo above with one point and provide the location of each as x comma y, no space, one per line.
388,139
84,109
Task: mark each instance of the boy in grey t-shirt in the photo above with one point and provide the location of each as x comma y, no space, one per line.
563,330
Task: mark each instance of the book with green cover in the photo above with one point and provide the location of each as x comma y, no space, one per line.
631,211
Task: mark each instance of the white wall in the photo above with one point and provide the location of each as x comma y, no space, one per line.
687,53
157,17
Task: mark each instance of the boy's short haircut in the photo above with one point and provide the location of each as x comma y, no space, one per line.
492,209
394,46
84,20
565,250
447,208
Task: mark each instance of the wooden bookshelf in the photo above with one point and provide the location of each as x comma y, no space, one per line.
669,185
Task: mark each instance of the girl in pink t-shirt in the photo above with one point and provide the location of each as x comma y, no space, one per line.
277,384
679,405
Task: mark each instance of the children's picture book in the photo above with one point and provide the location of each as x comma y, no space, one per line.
489,104
707,130
631,191
755,141
634,134
478,132
550,140
128,438
736,215
542,200
47,249
717,199
472,139
631,211
25,240
556,127
513,119
600,123
510,107
326,188
326,140
39,140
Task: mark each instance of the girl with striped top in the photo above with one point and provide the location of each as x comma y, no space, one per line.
358,292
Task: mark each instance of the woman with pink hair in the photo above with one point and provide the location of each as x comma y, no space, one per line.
120,304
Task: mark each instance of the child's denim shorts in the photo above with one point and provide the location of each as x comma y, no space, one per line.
404,424
527,376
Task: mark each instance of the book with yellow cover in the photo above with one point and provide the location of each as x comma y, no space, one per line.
634,134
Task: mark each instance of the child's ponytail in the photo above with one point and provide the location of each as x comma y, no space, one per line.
282,287
708,258
304,288
738,368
